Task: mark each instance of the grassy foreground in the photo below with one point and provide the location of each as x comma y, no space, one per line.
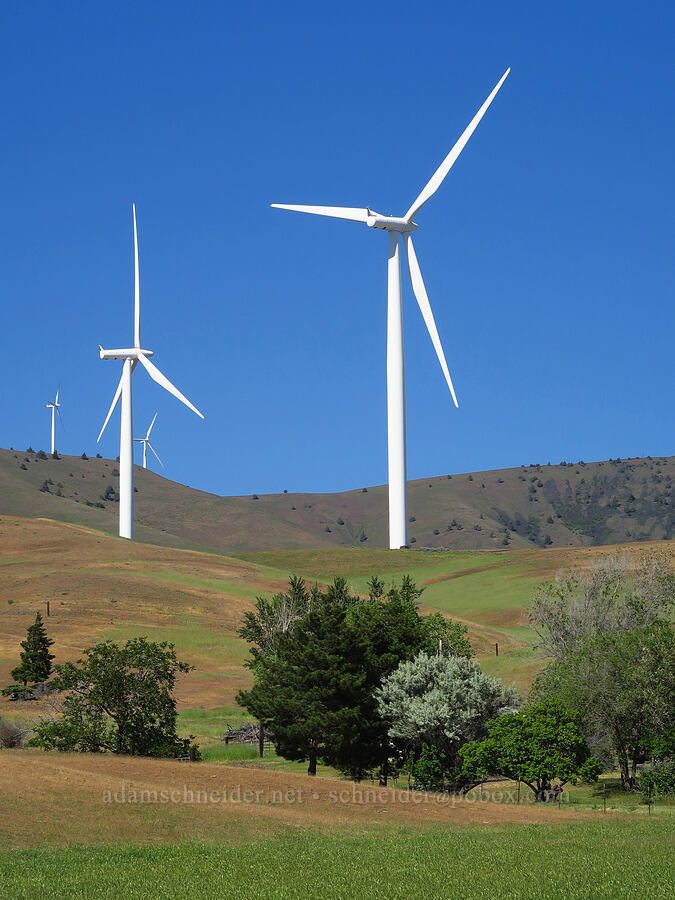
601,860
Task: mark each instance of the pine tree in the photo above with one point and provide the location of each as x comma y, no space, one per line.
36,660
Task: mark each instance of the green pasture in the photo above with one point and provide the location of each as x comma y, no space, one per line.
575,861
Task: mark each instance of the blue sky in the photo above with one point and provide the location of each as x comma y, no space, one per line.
547,253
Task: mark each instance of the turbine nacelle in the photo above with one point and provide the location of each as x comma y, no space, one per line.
389,223
127,353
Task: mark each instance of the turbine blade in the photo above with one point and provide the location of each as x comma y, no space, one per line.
58,412
353,213
137,290
150,428
116,398
425,307
440,173
162,380
58,391
155,452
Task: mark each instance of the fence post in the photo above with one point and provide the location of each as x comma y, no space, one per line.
649,800
47,608
192,754
604,796
496,649
519,789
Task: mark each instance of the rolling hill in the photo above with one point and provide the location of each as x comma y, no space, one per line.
101,587
565,505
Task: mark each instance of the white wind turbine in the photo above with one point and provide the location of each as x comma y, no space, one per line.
131,356
55,407
146,443
399,233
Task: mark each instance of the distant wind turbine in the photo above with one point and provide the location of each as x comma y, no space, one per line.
55,407
399,233
146,443
131,357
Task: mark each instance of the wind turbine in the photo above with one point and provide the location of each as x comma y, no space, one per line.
55,407
399,233
131,356
146,443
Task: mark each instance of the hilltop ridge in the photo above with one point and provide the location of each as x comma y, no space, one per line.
564,505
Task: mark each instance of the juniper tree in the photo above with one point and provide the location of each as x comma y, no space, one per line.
36,660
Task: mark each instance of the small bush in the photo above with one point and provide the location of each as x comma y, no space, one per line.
255,497
659,780
41,454
10,735
98,456
44,487
84,456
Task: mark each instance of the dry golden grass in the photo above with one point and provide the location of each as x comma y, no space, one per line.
159,591
57,799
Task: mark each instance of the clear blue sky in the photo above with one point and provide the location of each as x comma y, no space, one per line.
547,253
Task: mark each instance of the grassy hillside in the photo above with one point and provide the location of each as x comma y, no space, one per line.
103,587
567,505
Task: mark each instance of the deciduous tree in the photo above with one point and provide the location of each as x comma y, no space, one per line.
540,745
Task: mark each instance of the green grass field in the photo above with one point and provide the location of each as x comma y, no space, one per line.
616,860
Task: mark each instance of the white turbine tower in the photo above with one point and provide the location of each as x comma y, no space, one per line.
131,356
399,233
55,407
146,443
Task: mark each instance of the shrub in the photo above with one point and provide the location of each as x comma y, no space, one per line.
10,734
44,487
659,780
84,456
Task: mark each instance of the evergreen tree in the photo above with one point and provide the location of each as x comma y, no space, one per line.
36,660
315,681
